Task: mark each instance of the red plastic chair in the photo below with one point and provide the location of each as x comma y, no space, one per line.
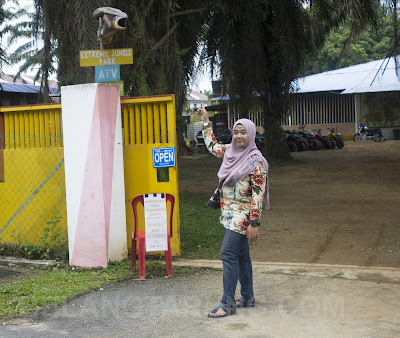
140,236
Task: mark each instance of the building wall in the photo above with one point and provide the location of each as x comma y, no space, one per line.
193,129
380,109
315,111
15,99
323,108
344,112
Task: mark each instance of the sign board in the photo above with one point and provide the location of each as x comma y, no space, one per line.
106,57
164,157
155,217
107,73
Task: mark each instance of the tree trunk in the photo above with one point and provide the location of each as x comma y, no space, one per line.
275,145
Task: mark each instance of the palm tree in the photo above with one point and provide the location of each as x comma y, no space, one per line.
38,51
6,13
262,45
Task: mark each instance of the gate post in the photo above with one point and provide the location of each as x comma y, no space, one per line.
94,174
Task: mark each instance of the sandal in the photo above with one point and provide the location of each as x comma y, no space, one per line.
228,312
243,302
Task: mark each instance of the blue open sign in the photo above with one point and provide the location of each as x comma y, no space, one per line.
164,157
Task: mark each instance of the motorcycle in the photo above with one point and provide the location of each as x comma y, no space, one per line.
294,141
312,140
325,141
336,138
364,133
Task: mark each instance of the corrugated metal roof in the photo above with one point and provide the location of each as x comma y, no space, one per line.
220,98
24,88
196,96
26,79
374,76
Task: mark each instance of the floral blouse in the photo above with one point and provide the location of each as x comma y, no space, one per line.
243,201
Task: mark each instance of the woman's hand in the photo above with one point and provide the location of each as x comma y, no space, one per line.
202,112
252,233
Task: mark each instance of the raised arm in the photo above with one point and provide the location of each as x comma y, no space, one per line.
210,140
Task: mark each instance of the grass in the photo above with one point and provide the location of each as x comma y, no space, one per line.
36,289
201,232
202,166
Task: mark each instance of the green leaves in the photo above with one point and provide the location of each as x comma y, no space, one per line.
370,45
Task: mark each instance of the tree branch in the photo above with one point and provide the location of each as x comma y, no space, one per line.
187,12
164,38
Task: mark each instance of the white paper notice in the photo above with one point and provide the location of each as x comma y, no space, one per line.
155,216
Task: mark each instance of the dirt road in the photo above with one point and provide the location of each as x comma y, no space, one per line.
338,206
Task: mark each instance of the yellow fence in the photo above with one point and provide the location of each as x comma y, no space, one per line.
32,193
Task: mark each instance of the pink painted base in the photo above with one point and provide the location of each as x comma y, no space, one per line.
93,226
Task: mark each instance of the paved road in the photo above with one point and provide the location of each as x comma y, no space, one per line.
293,300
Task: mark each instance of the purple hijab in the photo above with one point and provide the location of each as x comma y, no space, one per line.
238,163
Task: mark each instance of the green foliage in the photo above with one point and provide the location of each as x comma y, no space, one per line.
53,244
162,174
206,92
370,45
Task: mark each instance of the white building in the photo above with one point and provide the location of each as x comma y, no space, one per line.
194,99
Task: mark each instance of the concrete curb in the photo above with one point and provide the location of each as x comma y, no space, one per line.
27,262
349,272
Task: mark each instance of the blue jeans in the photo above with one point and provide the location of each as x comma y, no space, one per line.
235,256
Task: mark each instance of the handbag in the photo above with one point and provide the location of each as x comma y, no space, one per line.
214,201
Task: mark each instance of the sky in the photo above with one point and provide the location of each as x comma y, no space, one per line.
203,82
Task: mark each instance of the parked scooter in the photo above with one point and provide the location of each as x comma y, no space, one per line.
364,133
336,138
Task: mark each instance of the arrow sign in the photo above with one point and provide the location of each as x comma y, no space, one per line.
107,73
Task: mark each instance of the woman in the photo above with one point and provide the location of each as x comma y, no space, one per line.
244,175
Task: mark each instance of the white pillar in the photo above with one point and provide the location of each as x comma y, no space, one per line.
94,174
